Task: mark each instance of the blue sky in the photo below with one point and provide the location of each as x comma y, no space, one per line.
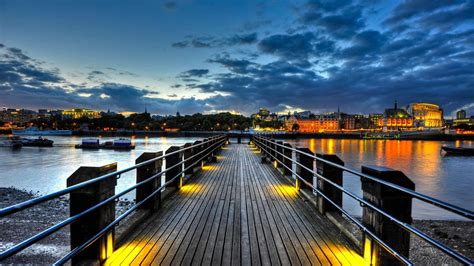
209,56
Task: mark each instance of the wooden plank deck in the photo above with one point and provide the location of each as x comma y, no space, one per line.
236,212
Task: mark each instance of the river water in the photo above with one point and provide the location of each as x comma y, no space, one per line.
451,179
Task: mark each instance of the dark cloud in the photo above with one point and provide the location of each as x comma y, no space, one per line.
249,38
450,18
199,73
212,42
343,24
182,44
366,43
234,65
296,46
412,8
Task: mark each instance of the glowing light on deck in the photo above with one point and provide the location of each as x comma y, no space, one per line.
191,188
287,190
209,167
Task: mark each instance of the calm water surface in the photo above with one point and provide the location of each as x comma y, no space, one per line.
451,179
447,178
45,170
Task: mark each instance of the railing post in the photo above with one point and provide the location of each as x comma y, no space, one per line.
306,161
186,154
145,172
279,153
89,225
239,139
204,147
334,174
287,151
174,170
197,150
272,151
396,203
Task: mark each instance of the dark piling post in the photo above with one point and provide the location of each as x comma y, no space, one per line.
187,154
334,174
145,172
89,225
287,151
308,162
174,170
239,139
393,202
279,153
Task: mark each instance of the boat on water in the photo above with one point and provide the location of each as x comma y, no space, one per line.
461,151
37,142
381,136
94,144
9,142
34,131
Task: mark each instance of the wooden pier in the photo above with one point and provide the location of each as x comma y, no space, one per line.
236,211
265,203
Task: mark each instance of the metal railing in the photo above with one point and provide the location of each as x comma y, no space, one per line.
266,144
214,144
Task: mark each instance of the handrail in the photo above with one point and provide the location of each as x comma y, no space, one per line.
32,202
444,205
405,226
34,239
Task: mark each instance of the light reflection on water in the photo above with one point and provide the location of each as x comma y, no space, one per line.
443,177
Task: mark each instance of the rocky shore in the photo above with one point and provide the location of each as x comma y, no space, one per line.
17,227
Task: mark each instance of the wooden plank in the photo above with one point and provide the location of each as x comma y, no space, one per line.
332,249
181,243
177,233
252,228
260,236
188,248
298,255
135,243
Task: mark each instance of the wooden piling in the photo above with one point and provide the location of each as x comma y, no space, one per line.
287,151
89,225
145,172
395,203
174,170
333,174
308,162
187,154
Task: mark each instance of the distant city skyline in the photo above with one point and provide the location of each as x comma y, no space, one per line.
209,56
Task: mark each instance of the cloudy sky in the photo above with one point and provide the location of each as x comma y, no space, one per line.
236,55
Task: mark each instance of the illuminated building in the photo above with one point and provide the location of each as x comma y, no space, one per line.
395,119
263,114
426,115
320,123
17,116
79,113
462,119
375,120
461,114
